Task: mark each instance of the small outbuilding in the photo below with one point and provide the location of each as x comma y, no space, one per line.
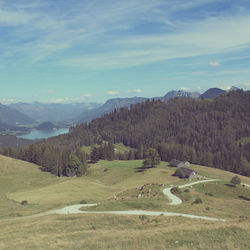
179,164
188,173
174,163
187,163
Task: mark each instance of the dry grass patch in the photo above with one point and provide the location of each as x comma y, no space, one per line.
123,232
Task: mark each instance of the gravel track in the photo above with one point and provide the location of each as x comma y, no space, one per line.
75,209
174,200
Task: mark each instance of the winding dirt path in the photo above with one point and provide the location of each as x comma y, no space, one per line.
174,200
244,184
75,209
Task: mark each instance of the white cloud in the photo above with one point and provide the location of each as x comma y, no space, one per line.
78,99
246,84
7,101
136,91
111,92
214,64
54,33
185,89
61,100
50,91
87,95
15,18
210,36
226,87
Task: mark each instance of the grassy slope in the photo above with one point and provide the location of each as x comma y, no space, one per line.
122,232
119,148
244,140
109,178
24,181
17,176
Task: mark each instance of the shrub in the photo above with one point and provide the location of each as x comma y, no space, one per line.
143,217
235,180
197,201
24,202
83,202
155,220
186,190
92,227
175,190
209,194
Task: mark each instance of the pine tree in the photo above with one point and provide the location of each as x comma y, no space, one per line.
94,156
152,158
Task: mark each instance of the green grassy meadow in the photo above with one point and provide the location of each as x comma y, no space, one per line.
21,181
119,148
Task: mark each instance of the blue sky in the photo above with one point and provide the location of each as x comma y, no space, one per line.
93,50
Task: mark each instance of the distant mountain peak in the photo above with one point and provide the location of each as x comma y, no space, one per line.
212,93
233,88
11,116
175,93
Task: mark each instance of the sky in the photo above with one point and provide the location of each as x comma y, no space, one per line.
93,50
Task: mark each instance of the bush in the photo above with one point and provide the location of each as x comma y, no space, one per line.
209,194
186,190
143,217
197,201
175,190
83,202
235,180
155,220
24,202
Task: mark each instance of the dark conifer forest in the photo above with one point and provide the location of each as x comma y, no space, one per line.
214,133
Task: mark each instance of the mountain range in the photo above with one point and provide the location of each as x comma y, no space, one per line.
108,107
13,120
54,112
16,116
174,93
118,103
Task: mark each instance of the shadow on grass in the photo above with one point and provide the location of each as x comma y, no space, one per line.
244,198
230,185
142,169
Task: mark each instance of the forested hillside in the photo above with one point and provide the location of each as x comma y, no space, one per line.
13,141
208,132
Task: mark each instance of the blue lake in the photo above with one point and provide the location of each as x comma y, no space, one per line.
43,134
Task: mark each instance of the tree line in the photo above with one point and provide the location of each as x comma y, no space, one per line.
206,132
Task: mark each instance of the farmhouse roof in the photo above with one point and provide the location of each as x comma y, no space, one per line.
174,163
181,165
187,171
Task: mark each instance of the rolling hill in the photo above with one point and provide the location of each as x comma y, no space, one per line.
21,181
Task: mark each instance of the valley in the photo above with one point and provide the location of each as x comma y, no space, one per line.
108,179
124,125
